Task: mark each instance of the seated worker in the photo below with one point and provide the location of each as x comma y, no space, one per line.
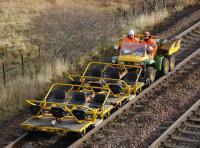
151,45
128,42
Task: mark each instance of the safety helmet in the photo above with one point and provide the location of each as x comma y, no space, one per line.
147,34
131,32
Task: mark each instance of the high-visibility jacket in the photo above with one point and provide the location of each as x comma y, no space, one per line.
128,43
151,42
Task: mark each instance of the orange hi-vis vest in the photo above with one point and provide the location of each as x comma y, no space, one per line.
151,42
128,43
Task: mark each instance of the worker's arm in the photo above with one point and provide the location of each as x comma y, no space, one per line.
118,45
137,40
154,46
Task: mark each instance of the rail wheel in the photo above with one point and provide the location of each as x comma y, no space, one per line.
151,75
172,62
165,66
80,135
105,117
90,128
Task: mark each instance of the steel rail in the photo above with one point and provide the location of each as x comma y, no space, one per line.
158,142
133,101
11,145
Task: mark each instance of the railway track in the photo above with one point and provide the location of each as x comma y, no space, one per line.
140,102
183,58
185,132
114,129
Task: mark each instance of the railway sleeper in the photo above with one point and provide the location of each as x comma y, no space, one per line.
192,38
109,131
119,124
181,139
192,125
195,34
172,145
194,119
139,108
189,132
195,31
197,114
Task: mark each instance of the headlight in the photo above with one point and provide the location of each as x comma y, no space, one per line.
53,122
114,59
143,63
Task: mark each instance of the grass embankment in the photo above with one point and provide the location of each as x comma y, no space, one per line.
68,34
64,31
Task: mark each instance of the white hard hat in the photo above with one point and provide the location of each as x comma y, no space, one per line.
131,32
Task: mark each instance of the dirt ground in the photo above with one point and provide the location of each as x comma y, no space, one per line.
10,128
139,128
143,124
163,105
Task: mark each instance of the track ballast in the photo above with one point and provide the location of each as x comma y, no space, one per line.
139,105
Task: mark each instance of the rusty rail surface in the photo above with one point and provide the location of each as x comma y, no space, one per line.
130,103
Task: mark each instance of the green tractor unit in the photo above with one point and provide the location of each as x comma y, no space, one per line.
163,62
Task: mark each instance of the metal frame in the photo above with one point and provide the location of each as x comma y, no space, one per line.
46,105
96,113
83,77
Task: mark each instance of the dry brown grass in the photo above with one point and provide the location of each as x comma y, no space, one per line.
146,21
14,94
61,31
69,33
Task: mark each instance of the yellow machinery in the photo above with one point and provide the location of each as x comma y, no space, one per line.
85,103
163,62
88,99
64,109
105,74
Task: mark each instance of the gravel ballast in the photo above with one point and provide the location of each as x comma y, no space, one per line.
136,131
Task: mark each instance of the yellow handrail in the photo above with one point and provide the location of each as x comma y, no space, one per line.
105,64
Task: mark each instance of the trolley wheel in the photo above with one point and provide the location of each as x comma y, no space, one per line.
165,66
151,75
172,62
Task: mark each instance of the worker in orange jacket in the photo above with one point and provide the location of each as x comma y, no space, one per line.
151,45
129,41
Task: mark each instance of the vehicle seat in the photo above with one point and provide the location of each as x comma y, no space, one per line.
112,73
34,109
58,96
58,112
97,101
96,85
76,82
116,89
79,114
96,72
78,98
